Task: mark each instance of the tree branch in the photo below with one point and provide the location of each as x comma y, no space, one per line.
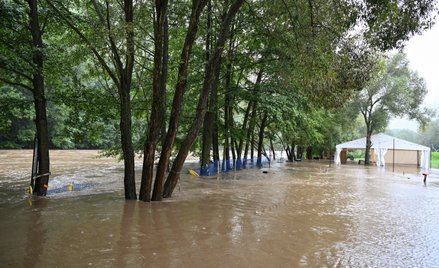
16,72
16,84
87,41
98,11
113,47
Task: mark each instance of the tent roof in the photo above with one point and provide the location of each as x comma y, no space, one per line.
383,141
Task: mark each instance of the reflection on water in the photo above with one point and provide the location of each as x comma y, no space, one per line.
302,214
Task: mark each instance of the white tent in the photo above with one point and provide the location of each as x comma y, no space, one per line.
381,143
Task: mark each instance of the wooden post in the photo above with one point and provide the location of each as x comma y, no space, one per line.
393,155
34,166
330,151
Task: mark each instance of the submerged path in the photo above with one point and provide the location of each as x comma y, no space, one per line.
298,214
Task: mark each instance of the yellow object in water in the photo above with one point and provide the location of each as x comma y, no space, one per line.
193,173
30,190
70,187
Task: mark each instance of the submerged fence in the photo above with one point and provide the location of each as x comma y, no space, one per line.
218,166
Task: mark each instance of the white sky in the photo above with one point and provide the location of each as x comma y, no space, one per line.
423,54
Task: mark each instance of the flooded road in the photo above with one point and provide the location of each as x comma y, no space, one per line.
302,214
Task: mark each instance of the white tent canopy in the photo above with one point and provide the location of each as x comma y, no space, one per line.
381,143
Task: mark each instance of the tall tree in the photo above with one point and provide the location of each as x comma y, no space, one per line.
22,66
197,8
395,90
208,82
41,183
120,51
158,97
430,136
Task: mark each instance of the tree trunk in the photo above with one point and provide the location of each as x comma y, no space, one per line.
300,152
178,98
209,80
158,100
207,137
261,139
252,120
214,105
250,136
243,128
126,141
226,159
292,152
125,75
233,150
368,145
158,184
289,153
206,143
41,183
309,150
272,149
228,99
164,77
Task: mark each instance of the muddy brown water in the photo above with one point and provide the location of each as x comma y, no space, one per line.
303,214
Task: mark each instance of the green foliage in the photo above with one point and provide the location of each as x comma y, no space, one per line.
312,63
430,135
392,22
16,114
434,160
395,90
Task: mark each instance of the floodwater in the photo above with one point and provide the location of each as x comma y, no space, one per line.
303,214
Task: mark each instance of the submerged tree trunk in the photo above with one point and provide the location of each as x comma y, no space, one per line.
250,135
252,120
158,184
299,152
289,153
158,100
261,139
126,141
369,129
226,160
272,149
228,99
125,78
309,150
368,146
214,104
42,180
209,79
207,137
121,76
178,99
240,142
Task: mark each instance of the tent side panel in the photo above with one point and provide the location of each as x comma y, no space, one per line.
404,157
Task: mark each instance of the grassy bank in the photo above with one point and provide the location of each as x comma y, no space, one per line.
435,159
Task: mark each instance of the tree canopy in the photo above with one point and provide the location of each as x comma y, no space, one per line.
394,90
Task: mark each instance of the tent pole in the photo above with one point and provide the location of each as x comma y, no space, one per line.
393,155
330,151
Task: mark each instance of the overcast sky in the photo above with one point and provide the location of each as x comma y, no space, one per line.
423,53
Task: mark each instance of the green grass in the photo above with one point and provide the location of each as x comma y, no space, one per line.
435,159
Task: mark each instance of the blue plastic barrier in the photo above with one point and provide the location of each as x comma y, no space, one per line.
211,169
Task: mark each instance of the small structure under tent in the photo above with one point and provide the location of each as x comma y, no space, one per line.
387,149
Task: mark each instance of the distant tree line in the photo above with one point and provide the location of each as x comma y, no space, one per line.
164,78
